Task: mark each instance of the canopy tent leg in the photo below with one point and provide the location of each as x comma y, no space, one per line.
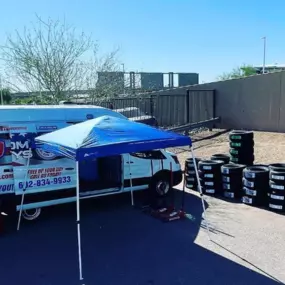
183,192
23,193
131,181
200,191
78,223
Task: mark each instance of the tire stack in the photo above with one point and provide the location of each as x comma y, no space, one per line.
256,185
232,175
190,174
220,156
210,176
242,147
277,187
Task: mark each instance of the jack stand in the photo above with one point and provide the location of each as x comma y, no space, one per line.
163,211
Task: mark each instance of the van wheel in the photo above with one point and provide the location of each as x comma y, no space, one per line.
31,214
161,185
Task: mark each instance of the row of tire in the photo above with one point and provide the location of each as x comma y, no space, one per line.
257,185
241,145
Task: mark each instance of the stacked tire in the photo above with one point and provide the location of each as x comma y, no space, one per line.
190,174
242,147
210,176
232,175
256,185
277,187
222,157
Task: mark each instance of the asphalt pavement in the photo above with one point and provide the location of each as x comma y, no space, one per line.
123,246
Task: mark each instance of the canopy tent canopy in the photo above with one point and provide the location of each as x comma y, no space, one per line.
106,136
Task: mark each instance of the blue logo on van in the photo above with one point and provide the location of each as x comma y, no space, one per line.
89,116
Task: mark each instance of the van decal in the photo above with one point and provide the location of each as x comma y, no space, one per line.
7,129
6,188
46,128
2,148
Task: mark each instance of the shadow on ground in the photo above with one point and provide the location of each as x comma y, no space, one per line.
121,246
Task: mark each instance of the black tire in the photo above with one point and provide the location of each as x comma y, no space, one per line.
222,157
276,207
248,200
277,176
232,168
242,160
229,194
242,145
240,135
278,167
276,201
190,172
276,186
160,185
233,179
31,215
208,190
256,184
210,165
209,175
189,162
256,171
241,152
277,195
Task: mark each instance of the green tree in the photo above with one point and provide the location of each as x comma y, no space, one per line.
238,72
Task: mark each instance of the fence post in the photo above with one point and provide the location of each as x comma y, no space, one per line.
151,105
214,107
188,106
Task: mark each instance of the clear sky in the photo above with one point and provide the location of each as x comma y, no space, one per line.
205,36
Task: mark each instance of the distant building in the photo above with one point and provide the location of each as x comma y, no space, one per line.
151,81
185,79
111,81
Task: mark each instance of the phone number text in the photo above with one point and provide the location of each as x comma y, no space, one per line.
45,182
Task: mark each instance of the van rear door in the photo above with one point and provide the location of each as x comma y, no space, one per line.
49,176
6,170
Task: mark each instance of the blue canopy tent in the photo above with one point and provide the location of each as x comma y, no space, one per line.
107,136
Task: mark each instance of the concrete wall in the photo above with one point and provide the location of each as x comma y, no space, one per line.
256,102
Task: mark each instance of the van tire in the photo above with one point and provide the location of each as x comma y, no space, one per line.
160,184
31,214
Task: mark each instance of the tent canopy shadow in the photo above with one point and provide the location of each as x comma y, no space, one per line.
121,245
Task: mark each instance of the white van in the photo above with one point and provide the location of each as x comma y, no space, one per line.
51,179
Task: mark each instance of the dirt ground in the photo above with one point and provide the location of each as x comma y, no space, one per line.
269,147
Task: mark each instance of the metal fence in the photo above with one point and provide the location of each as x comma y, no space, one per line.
169,110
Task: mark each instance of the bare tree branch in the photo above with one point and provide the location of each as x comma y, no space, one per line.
46,57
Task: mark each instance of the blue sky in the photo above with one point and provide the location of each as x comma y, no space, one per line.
205,36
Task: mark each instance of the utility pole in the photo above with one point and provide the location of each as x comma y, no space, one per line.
123,65
264,53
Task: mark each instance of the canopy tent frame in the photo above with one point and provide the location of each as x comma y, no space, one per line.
47,143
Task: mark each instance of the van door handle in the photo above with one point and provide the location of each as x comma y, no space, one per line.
128,162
